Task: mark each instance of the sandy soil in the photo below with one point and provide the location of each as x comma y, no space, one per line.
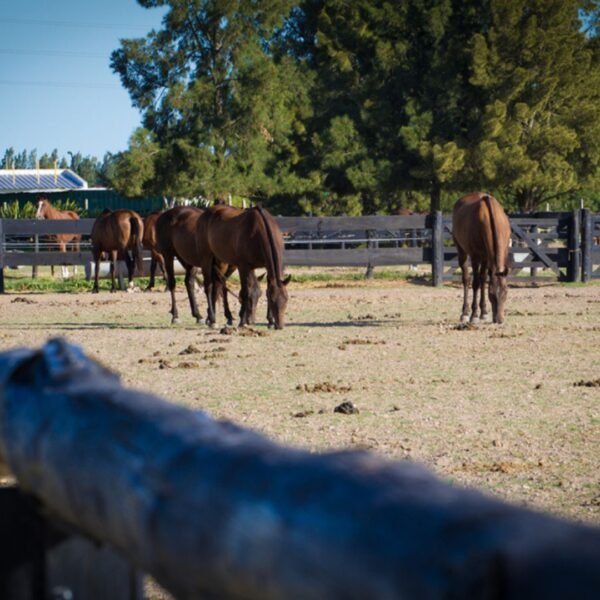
497,407
513,410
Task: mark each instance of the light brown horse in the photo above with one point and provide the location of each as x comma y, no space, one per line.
117,233
481,231
176,231
248,239
45,210
149,243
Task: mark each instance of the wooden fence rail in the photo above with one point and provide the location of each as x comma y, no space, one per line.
215,511
567,244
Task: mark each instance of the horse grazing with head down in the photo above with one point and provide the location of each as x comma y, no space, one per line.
45,210
176,231
149,243
249,239
117,233
481,231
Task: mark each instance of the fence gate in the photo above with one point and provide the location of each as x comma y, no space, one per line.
548,241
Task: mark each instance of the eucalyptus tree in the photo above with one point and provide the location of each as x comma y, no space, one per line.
214,100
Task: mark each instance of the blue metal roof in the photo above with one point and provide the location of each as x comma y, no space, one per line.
42,180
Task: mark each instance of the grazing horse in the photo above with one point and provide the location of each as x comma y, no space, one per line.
117,233
149,243
176,231
248,239
481,231
45,210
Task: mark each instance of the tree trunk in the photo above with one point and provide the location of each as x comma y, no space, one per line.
436,196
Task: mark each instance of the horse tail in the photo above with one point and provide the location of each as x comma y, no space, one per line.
135,242
273,259
497,253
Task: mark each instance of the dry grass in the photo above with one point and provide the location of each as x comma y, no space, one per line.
511,409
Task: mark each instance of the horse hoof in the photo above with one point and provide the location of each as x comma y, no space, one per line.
474,320
229,322
464,319
174,321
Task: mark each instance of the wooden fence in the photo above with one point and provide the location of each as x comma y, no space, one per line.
564,245
215,511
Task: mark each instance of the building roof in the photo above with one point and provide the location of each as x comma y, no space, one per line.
39,180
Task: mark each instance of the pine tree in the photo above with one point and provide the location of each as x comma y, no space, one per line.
540,77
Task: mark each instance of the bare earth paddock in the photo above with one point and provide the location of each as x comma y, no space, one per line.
513,410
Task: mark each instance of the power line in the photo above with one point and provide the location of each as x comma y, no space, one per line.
72,24
58,84
62,53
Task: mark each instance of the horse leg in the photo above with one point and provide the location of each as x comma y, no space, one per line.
113,266
462,261
62,247
483,273
130,267
170,277
476,287
96,256
190,286
493,296
152,273
245,281
253,296
208,276
226,308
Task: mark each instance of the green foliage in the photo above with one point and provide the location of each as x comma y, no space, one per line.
217,104
14,210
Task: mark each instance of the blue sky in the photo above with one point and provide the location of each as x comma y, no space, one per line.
56,86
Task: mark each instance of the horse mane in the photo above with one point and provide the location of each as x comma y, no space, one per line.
486,198
275,258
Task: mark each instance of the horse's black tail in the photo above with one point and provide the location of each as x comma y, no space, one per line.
135,242
273,259
496,246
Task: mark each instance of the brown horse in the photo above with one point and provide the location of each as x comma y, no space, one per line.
45,210
176,231
248,239
481,231
149,243
117,233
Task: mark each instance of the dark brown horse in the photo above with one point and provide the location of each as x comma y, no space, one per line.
118,233
248,239
45,210
481,231
176,231
149,243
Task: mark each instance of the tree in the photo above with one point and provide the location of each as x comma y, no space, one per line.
133,171
539,135
212,97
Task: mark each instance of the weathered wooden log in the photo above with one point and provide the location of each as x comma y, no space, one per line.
215,511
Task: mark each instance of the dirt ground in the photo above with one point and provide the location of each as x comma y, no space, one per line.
513,410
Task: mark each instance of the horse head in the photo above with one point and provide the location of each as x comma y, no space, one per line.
42,208
277,299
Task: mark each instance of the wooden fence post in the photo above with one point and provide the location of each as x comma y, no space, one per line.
574,261
437,241
586,245
369,272
36,249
